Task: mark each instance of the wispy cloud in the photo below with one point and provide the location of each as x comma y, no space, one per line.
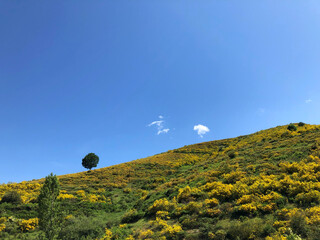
166,130
308,101
158,123
160,126
201,129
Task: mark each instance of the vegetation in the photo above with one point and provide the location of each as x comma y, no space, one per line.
264,185
11,197
292,127
48,210
90,161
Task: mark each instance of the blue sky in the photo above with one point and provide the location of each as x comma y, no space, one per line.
92,76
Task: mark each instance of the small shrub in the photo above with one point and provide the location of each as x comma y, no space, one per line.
11,197
121,232
292,127
189,221
188,194
233,177
301,124
268,229
232,155
161,205
220,235
131,216
246,229
285,135
192,207
211,203
82,228
306,199
298,224
28,225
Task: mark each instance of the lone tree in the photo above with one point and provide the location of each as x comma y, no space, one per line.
292,127
90,160
48,211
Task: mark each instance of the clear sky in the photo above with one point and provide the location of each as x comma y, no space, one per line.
129,79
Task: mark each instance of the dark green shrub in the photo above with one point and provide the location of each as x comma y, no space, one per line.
193,236
12,228
298,224
243,230
189,221
82,228
131,216
120,232
220,235
301,124
292,127
11,197
281,202
206,228
268,229
285,135
232,155
314,232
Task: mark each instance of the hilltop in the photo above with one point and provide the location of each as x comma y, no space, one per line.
264,185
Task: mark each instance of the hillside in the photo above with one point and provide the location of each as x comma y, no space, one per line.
264,185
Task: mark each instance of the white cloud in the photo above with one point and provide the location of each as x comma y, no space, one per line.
308,101
166,130
158,123
201,129
160,126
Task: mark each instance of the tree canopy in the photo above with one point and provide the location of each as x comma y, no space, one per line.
48,211
90,161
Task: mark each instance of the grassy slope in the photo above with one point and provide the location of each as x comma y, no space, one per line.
246,187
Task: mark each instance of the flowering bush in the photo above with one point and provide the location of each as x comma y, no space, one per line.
187,194
28,225
162,205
